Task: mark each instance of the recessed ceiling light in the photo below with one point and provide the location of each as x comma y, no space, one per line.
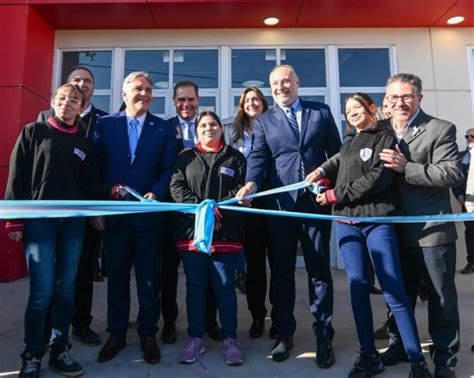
270,21
455,20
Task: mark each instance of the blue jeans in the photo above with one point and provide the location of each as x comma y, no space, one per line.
378,242
53,248
217,271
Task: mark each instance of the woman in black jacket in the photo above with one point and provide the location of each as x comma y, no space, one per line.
364,187
211,170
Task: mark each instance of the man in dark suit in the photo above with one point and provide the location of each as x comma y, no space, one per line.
460,194
291,139
137,149
428,161
82,317
186,101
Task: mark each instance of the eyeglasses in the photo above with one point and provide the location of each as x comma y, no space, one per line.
469,136
407,98
72,100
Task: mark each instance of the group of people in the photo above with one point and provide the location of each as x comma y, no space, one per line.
405,164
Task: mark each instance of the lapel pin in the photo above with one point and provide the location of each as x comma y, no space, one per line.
152,123
415,130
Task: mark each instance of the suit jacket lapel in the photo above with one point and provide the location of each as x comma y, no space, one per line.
305,114
283,123
145,135
123,134
417,127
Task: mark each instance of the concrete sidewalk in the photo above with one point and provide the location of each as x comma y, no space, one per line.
129,363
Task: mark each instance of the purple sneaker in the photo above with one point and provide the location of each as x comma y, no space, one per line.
192,350
232,353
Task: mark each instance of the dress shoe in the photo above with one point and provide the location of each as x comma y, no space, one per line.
443,371
257,327
168,335
325,355
281,349
112,346
273,333
150,349
393,355
375,290
214,331
86,336
468,269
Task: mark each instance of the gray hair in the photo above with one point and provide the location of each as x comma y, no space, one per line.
411,79
135,75
289,66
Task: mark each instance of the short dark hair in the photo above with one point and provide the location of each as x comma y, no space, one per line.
411,79
185,83
79,67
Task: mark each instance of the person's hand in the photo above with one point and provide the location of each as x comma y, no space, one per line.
394,159
321,199
98,223
16,235
248,189
150,196
118,191
217,219
314,176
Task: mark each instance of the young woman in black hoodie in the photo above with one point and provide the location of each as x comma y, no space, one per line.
365,188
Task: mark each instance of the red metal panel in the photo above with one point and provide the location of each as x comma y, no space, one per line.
463,8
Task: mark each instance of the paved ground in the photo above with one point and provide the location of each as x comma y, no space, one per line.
129,362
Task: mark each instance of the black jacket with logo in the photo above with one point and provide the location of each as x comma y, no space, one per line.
364,187
206,175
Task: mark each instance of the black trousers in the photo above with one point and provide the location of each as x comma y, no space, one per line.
436,266
81,316
314,235
469,235
255,247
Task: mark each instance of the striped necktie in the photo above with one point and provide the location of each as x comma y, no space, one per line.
296,132
133,136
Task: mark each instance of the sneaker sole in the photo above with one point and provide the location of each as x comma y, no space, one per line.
66,373
234,363
188,362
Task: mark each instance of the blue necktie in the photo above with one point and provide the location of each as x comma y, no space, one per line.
296,132
133,136
188,139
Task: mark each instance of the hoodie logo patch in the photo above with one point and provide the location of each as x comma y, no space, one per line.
227,171
79,153
365,154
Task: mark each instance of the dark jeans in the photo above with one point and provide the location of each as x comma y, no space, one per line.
53,248
255,247
217,270
436,266
124,246
283,235
364,244
81,316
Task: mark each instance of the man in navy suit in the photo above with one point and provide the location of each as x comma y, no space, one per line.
137,149
291,139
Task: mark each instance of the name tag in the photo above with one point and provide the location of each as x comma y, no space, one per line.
227,171
79,153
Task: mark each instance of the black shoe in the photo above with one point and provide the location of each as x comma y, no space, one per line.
468,269
443,371
325,355
281,349
381,333
472,348
112,346
62,362
393,355
214,331
168,335
150,349
419,371
273,333
375,290
257,327
30,366
366,366
240,278
86,336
